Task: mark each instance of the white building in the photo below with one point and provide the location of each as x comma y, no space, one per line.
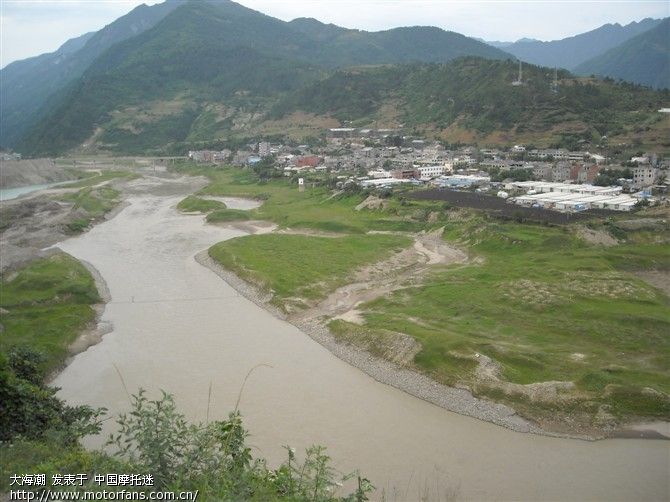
429,172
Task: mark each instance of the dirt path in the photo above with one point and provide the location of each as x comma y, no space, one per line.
404,269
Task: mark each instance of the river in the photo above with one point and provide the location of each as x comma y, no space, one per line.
13,193
177,326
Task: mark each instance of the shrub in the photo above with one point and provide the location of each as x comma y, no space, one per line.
30,409
215,459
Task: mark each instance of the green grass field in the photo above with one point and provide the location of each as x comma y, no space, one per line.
193,204
303,266
224,215
546,306
48,303
539,300
93,202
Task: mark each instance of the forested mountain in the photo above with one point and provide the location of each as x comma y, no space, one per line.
26,85
572,51
215,69
644,59
476,95
212,50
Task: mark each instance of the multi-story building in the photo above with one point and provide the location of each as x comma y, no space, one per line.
644,176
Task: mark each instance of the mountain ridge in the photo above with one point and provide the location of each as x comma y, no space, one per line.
644,59
26,85
572,51
210,70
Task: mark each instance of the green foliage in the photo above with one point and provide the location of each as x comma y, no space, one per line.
157,437
610,177
194,204
215,459
475,91
47,303
30,409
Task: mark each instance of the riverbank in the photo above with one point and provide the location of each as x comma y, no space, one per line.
454,399
179,327
19,173
457,400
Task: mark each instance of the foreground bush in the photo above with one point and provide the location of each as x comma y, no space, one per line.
41,435
215,459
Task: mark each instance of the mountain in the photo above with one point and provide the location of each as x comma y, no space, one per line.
644,59
503,45
26,85
339,47
472,99
202,53
213,70
572,51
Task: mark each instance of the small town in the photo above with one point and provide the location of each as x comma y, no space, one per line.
381,159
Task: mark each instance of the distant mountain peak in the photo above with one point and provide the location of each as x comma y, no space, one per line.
572,51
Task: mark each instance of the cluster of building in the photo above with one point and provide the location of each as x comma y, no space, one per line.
574,198
386,157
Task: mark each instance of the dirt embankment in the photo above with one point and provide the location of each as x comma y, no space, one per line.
403,269
17,173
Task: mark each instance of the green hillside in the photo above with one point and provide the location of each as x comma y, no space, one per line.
222,52
212,71
477,95
644,59
26,86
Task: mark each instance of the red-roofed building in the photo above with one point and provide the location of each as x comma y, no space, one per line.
307,161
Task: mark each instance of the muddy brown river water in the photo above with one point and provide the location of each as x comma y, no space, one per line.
177,326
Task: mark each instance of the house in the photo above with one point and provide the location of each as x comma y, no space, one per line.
644,175
307,161
584,173
542,171
264,149
561,172
405,174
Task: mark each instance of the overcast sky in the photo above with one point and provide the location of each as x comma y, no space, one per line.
32,27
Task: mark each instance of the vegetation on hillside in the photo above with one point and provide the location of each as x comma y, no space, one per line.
208,71
477,94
